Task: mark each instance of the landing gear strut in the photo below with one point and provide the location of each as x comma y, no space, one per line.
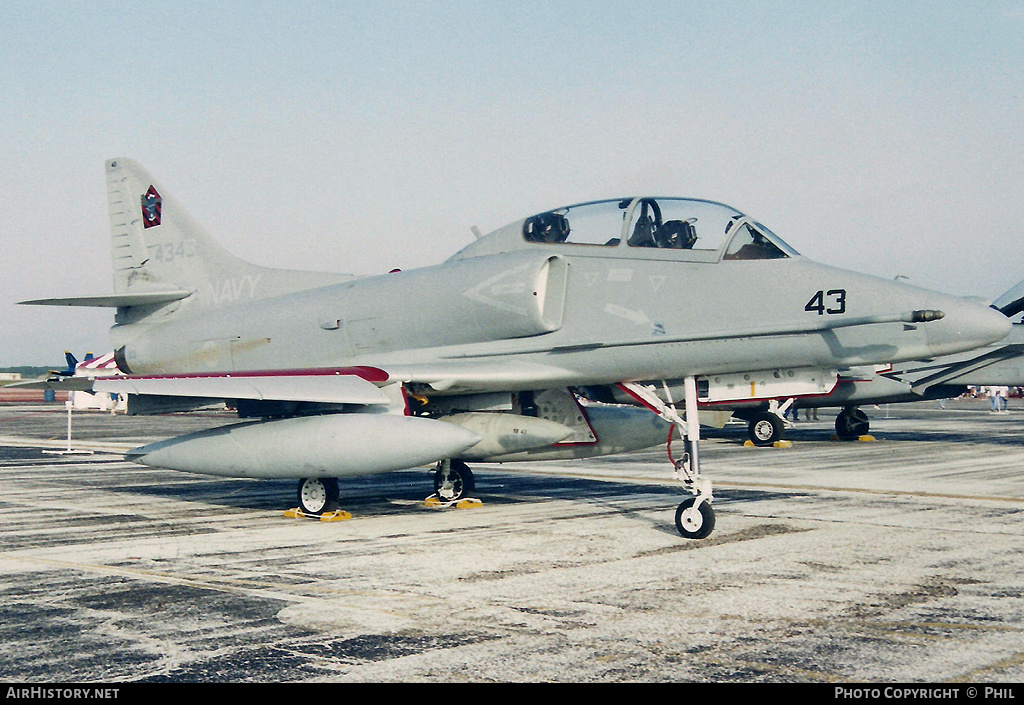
695,519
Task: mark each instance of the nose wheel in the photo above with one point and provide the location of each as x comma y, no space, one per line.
695,519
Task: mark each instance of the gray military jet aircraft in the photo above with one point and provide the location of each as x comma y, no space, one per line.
477,359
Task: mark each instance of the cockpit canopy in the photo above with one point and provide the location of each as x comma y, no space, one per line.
702,228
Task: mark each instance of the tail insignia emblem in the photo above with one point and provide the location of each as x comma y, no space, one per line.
151,203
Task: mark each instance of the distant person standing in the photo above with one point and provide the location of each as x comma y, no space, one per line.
997,398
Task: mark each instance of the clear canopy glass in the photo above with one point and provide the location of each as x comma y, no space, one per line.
658,223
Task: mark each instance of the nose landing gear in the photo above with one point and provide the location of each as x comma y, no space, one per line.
695,518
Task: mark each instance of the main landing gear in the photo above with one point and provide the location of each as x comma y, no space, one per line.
765,428
695,518
852,423
453,481
318,495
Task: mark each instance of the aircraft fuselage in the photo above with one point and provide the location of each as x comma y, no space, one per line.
561,317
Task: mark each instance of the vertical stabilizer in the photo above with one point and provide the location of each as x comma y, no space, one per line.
157,246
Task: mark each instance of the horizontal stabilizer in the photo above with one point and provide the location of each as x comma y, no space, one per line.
147,298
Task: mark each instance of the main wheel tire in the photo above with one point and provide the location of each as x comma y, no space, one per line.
318,495
459,484
695,523
852,423
765,428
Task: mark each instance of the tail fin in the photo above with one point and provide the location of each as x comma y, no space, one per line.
1012,302
157,247
69,370
156,244
166,264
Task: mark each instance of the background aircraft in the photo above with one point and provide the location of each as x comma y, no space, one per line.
77,376
77,380
72,362
477,359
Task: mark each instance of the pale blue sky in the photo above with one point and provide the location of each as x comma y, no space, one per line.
884,137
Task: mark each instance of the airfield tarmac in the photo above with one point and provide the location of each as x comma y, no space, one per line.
896,561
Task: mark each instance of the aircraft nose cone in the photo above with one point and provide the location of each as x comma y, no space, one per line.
966,325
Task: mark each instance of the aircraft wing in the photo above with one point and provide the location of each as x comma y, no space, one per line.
332,385
359,385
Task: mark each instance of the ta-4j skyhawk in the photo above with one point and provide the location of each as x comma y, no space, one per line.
482,358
